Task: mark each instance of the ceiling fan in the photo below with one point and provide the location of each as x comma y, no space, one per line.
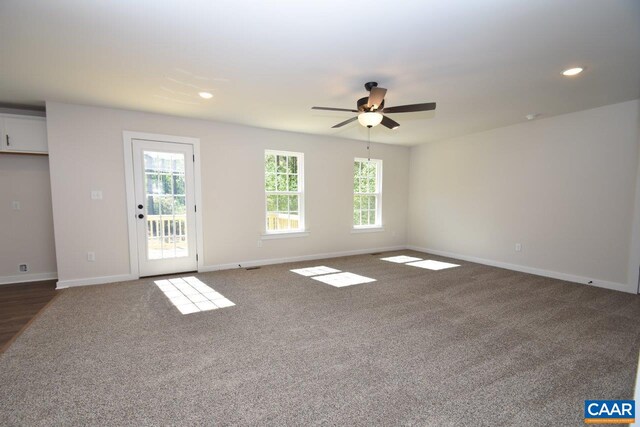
371,109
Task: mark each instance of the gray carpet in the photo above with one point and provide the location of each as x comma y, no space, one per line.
472,345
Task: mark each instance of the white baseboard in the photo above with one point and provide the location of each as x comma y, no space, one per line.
271,261
623,287
94,281
26,278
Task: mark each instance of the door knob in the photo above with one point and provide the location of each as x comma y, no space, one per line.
140,216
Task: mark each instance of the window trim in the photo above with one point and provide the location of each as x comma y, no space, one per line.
301,231
378,226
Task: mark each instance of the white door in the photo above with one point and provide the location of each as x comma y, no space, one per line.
165,207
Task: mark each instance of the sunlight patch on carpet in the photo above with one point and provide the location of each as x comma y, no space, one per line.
340,280
401,259
433,265
314,271
190,295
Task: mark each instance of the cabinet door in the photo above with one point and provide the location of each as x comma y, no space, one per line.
28,134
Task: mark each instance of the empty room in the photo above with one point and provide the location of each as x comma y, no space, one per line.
319,213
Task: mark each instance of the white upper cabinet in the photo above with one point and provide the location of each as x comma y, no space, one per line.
23,134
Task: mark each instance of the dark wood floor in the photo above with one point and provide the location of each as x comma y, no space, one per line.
19,304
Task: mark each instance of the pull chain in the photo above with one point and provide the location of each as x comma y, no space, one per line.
369,145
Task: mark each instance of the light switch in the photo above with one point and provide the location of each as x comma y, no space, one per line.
15,205
96,194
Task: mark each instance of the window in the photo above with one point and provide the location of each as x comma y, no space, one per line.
284,191
367,193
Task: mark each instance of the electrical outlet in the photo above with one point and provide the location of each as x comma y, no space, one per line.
259,243
96,194
23,268
15,205
518,247
91,256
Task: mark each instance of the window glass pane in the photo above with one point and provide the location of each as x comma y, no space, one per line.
272,203
270,163
153,207
293,182
294,220
356,202
293,165
180,207
178,184
372,202
178,163
356,217
281,164
372,217
166,185
164,207
151,182
281,182
271,221
181,237
371,185
270,182
371,170
283,203
363,185
293,203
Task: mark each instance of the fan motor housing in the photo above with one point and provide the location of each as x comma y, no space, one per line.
363,106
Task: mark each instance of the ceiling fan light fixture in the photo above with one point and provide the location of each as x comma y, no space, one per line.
370,119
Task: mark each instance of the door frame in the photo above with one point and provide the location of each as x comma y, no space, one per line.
128,137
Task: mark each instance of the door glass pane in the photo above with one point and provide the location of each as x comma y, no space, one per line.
166,211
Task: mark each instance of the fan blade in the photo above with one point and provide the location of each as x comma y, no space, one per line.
411,108
334,109
391,124
346,122
376,97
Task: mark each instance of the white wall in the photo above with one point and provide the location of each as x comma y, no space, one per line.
564,187
26,234
86,153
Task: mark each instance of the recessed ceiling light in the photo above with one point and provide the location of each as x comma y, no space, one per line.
205,95
532,116
572,71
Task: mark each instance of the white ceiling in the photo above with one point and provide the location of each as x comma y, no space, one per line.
487,63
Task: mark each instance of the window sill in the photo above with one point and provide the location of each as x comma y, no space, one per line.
285,235
376,229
